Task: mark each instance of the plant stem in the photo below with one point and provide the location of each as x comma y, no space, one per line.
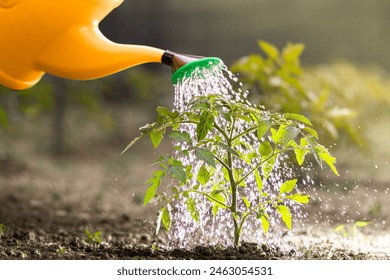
233,186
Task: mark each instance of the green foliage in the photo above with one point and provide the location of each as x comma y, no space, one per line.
280,85
3,229
223,131
93,238
361,88
350,230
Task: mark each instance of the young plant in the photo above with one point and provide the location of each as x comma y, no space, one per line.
225,154
276,80
93,238
3,230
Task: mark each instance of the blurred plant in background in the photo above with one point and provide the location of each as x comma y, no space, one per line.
335,96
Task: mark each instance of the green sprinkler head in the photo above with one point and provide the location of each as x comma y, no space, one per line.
184,65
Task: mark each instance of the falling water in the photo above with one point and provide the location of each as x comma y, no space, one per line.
219,229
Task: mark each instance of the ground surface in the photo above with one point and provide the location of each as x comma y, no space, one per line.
47,204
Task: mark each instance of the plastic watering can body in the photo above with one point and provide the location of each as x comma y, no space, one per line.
61,37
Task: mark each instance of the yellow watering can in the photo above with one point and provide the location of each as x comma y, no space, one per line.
61,37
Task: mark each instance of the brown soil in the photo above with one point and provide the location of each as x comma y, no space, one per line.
48,203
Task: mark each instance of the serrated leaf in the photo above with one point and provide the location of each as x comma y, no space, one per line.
156,135
205,125
298,117
330,161
269,49
246,202
182,136
262,129
259,182
166,218
191,207
155,181
178,171
264,223
265,149
300,151
302,199
289,134
203,175
275,136
312,132
292,52
268,166
288,186
217,194
322,154
206,155
215,209
286,215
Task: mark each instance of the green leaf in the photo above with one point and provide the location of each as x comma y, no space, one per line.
206,155
131,144
278,135
217,194
265,149
288,186
203,175
164,111
322,153
339,228
286,215
191,207
300,151
312,132
268,166
262,129
292,52
302,199
269,49
178,171
361,224
181,136
205,125
264,223
156,135
289,134
298,117
166,218
155,181
330,161
246,202
215,209
259,182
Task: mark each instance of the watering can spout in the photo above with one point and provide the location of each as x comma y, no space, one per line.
176,61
